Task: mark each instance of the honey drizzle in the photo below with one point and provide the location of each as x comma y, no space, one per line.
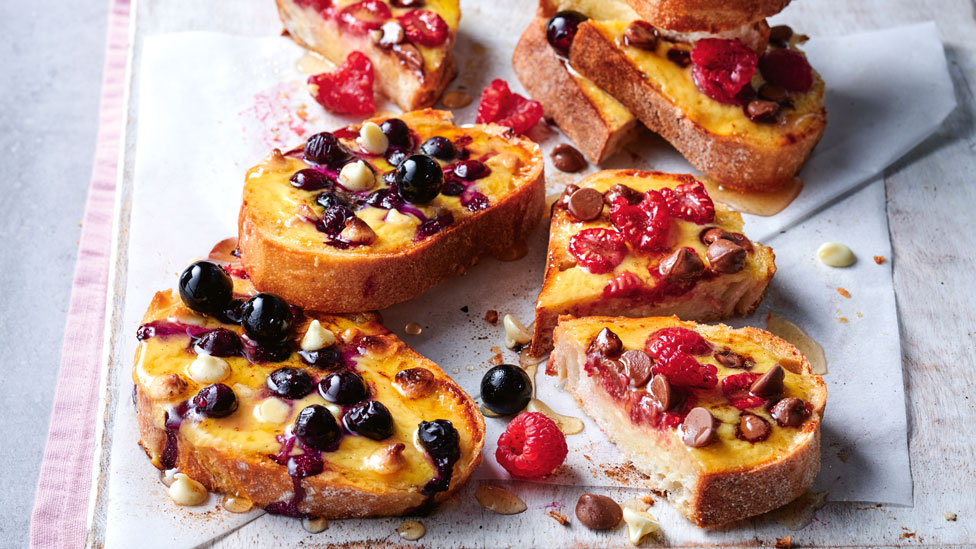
796,336
756,203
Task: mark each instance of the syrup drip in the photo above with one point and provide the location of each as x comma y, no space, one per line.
796,336
756,203
172,424
236,504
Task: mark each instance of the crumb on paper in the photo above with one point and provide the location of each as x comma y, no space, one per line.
950,516
559,517
843,320
464,309
784,543
907,534
649,500
491,317
879,259
844,292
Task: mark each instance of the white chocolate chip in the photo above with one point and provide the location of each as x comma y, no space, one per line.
273,410
208,369
396,217
386,460
392,33
186,491
372,139
334,409
167,476
317,337
242,391
167,387
835,254
315,525
356,176
639,524
515,333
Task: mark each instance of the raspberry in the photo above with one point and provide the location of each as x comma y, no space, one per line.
625,284
645,225
722,68
787,68
362,17
598,250
317,5
500,106
670,340
683,370
644,408
736,389
532,446
690,201
424,27
348,90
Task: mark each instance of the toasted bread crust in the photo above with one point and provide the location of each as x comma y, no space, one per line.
705,15
733,162
329,280
717,497
547,79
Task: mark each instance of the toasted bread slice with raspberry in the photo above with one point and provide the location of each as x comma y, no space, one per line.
726,422
411,54
256,448
755,141
705,15
357,244
694,263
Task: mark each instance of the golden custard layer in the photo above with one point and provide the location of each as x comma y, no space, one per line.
574,284
728,452
287,214
676,83
252,431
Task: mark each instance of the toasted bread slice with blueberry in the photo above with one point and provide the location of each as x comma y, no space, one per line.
376,213
705,15
408,43
635,243
725,422
300,413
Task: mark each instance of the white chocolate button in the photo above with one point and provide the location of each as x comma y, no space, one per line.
397,218
315,525
356,176
515,333
317,337
334,409
208,369
372,139
186,491
273,410
639,524
242,391
835,254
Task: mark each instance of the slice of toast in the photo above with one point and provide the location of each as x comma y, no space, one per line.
253,453
290,242
411,74
705,15
640,283
719,139
756,445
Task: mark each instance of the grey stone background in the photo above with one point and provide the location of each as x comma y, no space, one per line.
51,55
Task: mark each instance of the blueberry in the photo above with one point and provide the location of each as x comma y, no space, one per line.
506,389
453,187
267,353
440,439
397,133
333,220
369,419
219,342
311,180
317,428
290,383
267,319
325,149
561,29
206,288
419,179
438,147
387,198
215,400
324,359
233,312
330,199
343,387
469,170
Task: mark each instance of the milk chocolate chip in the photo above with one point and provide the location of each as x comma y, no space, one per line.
606,343
586,204
563,201
598,512
772,92
637,366
567,159
662,393
780,35
753,428
725,256
682,266
698,428
641,34
630,195
760,110
770,384
726,357
789,412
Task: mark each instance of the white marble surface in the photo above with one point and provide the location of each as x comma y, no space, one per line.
51,54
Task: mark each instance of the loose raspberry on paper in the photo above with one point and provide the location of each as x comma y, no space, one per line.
598,250
675,339
348,90
722,68
624,284
787,68
683,370
500,106
644,225
736,389
690,201
532,446
424,27
362,17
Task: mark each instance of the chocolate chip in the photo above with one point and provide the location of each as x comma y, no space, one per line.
711,235
682,266
725,256
753,428
731,359
410,56
567,159
630,195
780,35
637,366
698,428
679,57
598,512
606,343
789,412
641,34
772,92
563,201
586,204
770,384
662,393
760,110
